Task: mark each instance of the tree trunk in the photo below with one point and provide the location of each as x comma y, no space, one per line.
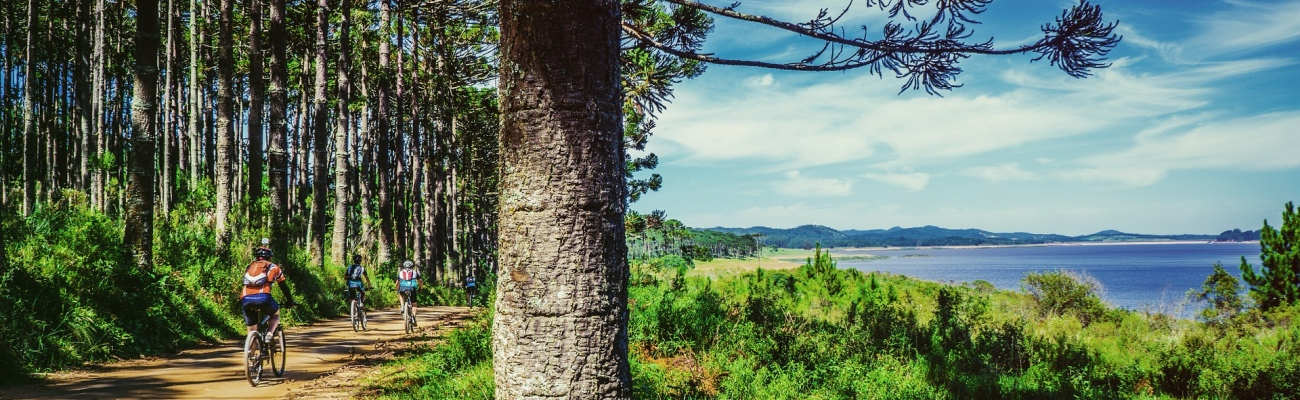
196,96
561,313
341,168
169,114
82,93
140,197
29,120
382,135
320,137
255,93
279,162
225,126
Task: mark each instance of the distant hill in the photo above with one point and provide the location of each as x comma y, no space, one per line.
807,236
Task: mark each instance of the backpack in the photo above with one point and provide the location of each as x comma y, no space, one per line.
354,272
259,280
406,279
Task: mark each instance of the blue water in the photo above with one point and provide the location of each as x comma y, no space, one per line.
1152,277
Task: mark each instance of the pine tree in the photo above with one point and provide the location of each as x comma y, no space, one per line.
1278,280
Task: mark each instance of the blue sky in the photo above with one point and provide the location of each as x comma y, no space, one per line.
1194,129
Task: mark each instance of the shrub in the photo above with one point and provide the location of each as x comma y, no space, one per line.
1065,292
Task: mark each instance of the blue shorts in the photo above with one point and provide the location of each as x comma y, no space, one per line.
256,305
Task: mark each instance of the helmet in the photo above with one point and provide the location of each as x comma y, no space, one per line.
408,264
263,251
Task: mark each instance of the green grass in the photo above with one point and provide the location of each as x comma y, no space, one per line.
818,332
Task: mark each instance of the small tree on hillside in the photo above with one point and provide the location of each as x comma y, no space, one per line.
1278,281
1220,291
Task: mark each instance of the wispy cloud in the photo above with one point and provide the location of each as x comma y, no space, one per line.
912,181
1262,142
1000,173
795,184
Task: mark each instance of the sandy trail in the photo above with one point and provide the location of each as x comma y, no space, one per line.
215,372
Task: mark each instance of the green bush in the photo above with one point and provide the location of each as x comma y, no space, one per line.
1066,292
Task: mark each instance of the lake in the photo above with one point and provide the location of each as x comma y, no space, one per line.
1135,276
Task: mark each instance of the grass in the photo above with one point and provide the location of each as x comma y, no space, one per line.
819,332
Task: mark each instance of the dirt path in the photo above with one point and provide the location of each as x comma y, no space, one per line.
318,356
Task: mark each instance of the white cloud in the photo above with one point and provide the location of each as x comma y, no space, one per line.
1241,28
1000,173
912,181
761,81
1254,143
798,185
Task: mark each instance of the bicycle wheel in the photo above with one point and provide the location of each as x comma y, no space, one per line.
352,311
253,358
406,317
277,352
362,311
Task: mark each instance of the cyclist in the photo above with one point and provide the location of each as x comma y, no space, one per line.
471,289
354,275
408,281
255,296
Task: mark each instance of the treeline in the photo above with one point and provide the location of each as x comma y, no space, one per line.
1237,235
345,126
654,235
809,236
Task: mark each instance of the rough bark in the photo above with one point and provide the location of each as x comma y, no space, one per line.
225,125
256,93
341,167
279,162
140,197
560,329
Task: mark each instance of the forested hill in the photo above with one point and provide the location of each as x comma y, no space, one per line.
807,236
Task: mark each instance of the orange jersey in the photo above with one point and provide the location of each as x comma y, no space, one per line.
259,276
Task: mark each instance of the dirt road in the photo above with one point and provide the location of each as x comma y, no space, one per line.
215,372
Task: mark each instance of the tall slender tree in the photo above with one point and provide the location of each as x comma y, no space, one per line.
320,136
29,119
225,122
195,96
382,136
256,93
341,166
140,196
278,136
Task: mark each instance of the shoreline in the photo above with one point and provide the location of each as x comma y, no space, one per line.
1060,244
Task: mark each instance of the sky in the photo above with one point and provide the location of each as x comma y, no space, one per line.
1195,128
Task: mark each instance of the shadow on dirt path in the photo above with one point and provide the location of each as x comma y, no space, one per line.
216,372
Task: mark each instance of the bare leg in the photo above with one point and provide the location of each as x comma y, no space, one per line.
274,323
252,328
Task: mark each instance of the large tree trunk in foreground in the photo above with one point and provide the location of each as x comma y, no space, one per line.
225,124
139,192
560,329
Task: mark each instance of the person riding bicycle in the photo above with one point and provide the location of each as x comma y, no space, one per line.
408,281
255,296
354,276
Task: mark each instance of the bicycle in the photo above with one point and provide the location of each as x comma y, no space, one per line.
357,312
258,351
408,317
